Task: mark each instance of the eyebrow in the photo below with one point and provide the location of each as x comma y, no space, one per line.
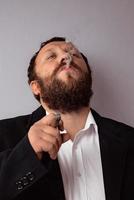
47,50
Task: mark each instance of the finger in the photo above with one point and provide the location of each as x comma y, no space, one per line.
53,132
53,141
49,147
49,130
52,135
51,119
53,154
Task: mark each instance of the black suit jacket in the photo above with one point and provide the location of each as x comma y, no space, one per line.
23,176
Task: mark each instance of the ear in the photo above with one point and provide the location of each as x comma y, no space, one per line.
35,87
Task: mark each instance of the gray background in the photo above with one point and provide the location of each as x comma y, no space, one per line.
102,29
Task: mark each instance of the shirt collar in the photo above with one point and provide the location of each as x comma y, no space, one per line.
90,121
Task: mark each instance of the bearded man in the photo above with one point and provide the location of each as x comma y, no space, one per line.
64,149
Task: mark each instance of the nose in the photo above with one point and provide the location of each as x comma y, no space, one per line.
66,58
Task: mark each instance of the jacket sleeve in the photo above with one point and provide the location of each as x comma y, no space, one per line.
19,169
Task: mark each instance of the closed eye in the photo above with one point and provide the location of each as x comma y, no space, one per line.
76,55
51,56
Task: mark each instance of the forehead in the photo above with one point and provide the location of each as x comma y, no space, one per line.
58,45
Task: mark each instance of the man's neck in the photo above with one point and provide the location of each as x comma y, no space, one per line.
72,121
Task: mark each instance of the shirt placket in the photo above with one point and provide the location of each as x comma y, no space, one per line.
78,171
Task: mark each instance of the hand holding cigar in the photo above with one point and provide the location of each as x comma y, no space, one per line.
44,135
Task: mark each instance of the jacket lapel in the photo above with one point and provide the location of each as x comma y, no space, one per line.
35,116
113,154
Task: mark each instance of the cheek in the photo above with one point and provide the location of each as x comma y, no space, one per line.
44,71
82,65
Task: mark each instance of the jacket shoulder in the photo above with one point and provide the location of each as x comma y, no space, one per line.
109,121
12,130
12,122
113,127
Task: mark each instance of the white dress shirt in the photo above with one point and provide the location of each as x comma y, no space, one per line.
80,164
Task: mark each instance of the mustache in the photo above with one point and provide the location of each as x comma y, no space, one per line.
62,64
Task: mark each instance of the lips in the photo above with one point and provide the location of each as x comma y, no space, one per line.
63,67
68,68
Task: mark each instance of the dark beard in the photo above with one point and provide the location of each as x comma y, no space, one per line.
66,97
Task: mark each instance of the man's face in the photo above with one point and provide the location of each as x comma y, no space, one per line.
63,77
51,62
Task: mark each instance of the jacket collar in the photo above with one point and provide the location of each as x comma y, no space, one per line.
35,116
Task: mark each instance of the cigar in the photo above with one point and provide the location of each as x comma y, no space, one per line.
58,118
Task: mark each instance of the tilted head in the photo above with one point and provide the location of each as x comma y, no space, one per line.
59,65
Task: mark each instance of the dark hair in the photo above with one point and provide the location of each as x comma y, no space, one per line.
31,68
